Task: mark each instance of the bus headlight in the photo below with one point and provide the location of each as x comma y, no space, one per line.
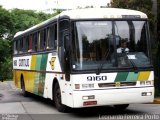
146,94
84,86
77,86
88,97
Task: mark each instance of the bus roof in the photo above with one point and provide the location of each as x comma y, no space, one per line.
92,13
102,13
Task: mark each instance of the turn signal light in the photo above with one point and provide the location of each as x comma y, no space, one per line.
146,93
77,86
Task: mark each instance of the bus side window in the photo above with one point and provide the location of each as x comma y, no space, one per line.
30,43
21,45
52,37
42,39
27,44
63,28
16,47
34,42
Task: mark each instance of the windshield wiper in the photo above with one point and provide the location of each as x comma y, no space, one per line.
102,63
132,63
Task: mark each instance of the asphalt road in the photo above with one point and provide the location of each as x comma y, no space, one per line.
13,106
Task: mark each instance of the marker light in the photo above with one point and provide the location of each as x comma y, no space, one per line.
77,86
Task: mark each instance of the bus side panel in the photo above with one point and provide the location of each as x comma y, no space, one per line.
38,72
48,85
18,78
67,93
53,71
29,81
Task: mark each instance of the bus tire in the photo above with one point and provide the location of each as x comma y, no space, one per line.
57,99
24,92
121,107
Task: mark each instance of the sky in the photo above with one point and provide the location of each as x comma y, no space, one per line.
44,4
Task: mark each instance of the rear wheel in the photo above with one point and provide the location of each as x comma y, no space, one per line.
121,107
57,99
23,88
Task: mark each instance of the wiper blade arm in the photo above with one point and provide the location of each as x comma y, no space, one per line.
132,63
102,63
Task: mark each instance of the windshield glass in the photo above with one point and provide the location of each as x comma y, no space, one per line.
132,45
96,43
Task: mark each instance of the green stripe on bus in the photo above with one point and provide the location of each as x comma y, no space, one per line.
38,62
132,76
37,67
44,62
41,84
42,75
36,83
41,63
122,76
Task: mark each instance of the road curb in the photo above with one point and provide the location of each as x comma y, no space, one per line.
156,101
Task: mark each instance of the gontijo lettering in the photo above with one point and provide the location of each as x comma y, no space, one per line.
24,62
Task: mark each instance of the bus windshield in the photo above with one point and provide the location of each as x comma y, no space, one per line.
110,45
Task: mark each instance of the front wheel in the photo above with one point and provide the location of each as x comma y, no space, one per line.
24,92
57,99
121,107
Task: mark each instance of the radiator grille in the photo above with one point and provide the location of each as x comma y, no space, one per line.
117,84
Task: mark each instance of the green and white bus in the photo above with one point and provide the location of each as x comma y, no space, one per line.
73,59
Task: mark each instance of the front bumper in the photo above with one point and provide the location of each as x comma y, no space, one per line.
113,96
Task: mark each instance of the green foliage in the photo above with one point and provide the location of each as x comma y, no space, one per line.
6,23
5,59
157,92
10,23
24,19
6,69
132,4
158,6
5,49
58,11
158,18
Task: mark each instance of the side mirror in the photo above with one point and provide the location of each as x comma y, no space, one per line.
67,57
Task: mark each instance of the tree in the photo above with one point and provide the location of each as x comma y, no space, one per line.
5,59
6,23
10,23
158,21
24,19
6,27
